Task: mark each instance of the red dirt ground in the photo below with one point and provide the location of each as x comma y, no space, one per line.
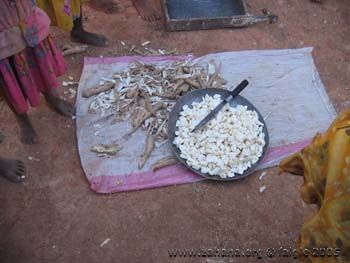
54,216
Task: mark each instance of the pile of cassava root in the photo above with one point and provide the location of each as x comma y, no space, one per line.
146,93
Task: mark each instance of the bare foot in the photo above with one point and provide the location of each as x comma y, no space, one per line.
82,36
28,134
12,170
78,34
145,10
107,6
61,106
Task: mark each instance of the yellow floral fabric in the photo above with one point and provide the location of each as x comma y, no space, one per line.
61,12
325,165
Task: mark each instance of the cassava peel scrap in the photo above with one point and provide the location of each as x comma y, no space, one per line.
148,105
149,147
193,83
74,50
164,163
98,89
146,93
138,125
110,149
141,119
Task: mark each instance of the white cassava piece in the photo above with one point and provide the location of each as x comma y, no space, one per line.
228,145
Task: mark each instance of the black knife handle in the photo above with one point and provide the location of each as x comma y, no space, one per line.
239,88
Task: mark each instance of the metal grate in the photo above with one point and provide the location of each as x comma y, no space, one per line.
187,9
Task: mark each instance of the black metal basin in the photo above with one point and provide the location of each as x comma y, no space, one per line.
196,96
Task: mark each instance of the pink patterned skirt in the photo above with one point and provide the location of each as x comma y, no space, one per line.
32,71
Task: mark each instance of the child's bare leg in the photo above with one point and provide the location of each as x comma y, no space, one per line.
79,34
12,170
59,105
145,10
28,134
